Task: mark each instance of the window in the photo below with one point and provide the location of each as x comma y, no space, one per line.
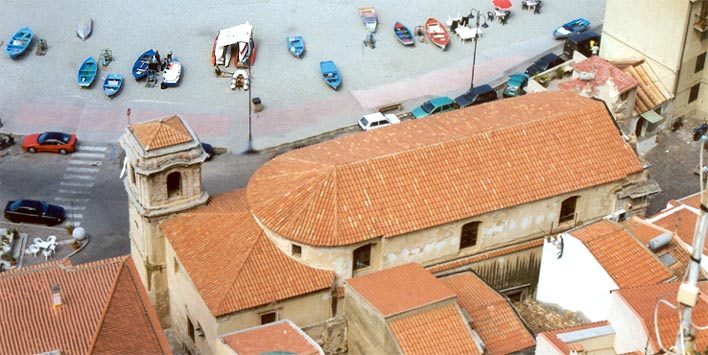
176,264
174,180
468,237
296,250
132,174
700,62
567,212
362,257
694,93
269,317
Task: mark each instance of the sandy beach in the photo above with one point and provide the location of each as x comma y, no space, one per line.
40,92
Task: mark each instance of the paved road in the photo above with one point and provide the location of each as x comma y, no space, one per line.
39,93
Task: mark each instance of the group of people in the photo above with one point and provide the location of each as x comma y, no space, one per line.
157,65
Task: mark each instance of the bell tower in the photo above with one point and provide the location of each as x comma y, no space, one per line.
162,168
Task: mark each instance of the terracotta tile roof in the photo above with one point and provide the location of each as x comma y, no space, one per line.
649,95
642,230
227,202
692,200
621,256
424,173
642,300
485,256
233,264
439,331
681,221
492,316
560,345
96,298
400,289
161,133
280,337
127,335
645,231
604,70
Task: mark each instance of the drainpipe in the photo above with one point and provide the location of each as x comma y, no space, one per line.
688,27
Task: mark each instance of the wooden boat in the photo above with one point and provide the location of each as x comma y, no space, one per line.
403,34
368,17
112,84
19,42
87,72
296,45
240,79
330,74
84,28
437,33
570,28
142,64
172,71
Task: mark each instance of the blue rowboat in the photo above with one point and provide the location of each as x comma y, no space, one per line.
330,74
296,45
19,42
87,72
570,28
403,34
141,65
112,84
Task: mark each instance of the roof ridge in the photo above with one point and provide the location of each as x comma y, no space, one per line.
237,273
104,311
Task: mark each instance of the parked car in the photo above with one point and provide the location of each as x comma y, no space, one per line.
515,85
55,142
34,212
570,28
581,42
544,63
431,107
480,94
377,120
209,149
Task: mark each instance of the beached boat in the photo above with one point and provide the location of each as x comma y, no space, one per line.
87,72
241,39
296,45
368,17
330,74
437,33
403,34
172,71
85,27
112,84
19,42
141,65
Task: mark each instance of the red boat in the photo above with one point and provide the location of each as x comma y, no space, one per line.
437,33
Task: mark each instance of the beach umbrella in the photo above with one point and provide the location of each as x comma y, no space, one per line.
502,4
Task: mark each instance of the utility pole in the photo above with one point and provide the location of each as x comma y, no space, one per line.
688,291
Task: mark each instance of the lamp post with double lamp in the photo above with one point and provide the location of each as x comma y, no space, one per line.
476,14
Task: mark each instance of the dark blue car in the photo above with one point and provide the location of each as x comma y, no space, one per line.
32,211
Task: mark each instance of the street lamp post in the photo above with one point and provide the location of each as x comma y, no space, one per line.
476,14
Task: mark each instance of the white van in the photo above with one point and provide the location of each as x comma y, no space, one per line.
377,120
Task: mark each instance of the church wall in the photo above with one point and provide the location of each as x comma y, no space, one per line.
185,301
438,244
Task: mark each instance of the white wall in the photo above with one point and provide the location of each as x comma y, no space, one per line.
630,334
576,281
544,347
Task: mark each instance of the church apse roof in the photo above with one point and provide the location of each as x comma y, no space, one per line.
444,168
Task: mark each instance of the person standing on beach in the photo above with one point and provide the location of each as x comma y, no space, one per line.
159,63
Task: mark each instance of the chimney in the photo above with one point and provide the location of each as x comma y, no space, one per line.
56,296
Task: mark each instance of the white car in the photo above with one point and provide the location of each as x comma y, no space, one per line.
377,120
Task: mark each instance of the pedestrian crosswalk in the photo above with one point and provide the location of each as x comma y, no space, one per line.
78,180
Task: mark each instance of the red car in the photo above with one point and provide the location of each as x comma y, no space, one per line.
54,142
